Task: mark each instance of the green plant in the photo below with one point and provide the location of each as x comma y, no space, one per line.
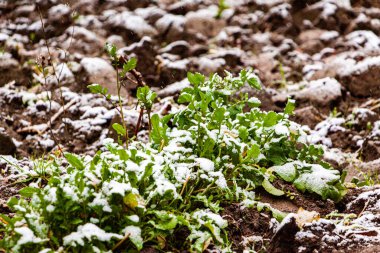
210,153
145,98
222,6
126,66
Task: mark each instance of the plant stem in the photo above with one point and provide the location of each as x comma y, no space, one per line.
139,121
121,107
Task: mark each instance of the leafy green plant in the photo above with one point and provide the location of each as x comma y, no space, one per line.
210,153
126,66
145,98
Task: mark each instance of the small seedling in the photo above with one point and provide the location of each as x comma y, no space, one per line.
222,6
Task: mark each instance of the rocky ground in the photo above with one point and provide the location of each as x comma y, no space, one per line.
325,54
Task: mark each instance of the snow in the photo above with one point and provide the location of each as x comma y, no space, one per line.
328,9
99,200
204,215
50,208
362,66
69,191
58,11
95,65
90,232
205,164
323,128
63,74
114,187
329,35
309,70
321,91
317,177
281,10
134,218
27,236
133,23
52,195
280,129
175,21
132,231
46,143
366,40
208,65
174,88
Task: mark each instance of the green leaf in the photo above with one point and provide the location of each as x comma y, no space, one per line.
167,224
243,133
270,119
111,50
28,191
218,114
324,182
97,89
146,96
12,201
254,81
6,219
130,200
214,230
254,102
74,161
290,106
131,64
76,221
123,154
155,133
207,147
185,98
278,215
196,78
271,189
134,235
120,130
286,172
253,152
